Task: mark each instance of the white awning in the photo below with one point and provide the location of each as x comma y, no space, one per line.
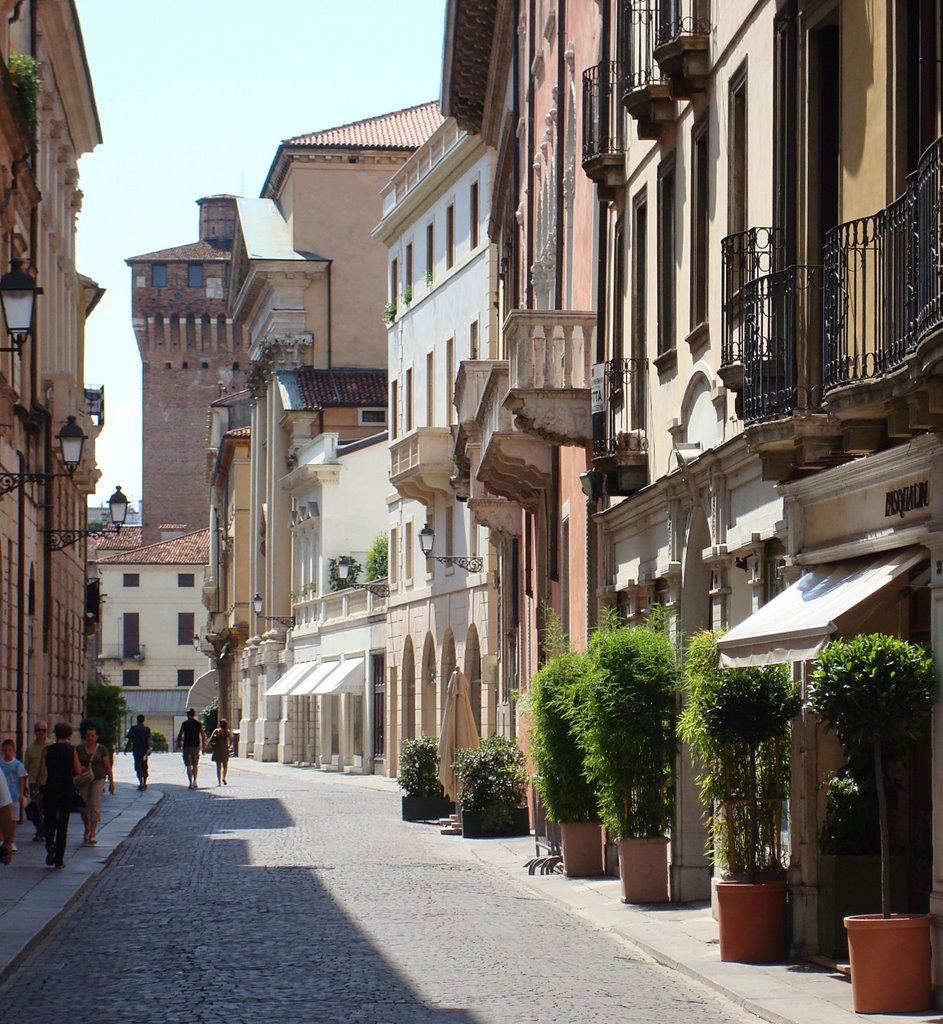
313,679
289,679
347,677
203,691
800,621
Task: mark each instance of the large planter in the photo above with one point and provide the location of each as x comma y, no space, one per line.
582,849
890,962
848,886
752,921
473,824
643,869
426,808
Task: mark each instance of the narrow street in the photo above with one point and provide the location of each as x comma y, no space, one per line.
304,898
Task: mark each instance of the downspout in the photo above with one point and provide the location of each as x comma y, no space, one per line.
329,313
529,253
513,277
562,95
20,607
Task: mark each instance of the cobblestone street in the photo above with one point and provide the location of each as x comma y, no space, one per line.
301,897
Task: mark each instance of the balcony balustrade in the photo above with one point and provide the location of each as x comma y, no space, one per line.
421,463
646,93
604,128
548,364
682,41
620,444
121,652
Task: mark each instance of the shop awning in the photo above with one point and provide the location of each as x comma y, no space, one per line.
204,691
288,680
797,623
347,677
311,681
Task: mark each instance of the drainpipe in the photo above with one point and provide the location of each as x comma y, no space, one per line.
20,607
329,313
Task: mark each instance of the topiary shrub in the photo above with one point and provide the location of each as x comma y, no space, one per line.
492,780
419,767
159,741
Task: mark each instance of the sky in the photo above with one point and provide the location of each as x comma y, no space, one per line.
194,97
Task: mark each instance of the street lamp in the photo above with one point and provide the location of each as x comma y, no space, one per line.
71,440
18,293
343,574
288,621
470,563
118,509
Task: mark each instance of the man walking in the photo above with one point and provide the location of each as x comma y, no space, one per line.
192,740
32,760
139,742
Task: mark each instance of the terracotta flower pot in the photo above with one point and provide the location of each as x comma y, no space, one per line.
752,921
643,869
582,849
890,962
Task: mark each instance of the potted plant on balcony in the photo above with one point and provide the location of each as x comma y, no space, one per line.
492,786
557,696
875,692
737,723
630,749
419,777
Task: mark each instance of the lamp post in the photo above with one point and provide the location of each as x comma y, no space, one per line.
288,621
18,293
426,538
71,441
343,574
118,508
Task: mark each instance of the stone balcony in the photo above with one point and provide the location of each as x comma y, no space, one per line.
421,463
549,354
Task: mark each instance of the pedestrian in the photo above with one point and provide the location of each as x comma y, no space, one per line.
96,767
32,759
57,772
139,743
192,741
219,743
12,770
7,826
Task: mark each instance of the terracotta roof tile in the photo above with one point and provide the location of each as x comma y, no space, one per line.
215,249
239,432
187,549
401,129
130,537
309,388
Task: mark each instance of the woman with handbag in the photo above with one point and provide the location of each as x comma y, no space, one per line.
58,766
96,767
218,746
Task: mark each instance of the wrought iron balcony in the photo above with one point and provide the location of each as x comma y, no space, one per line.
645,89
604,128
745,256
421,463
121,652
682,42
620,444
548,364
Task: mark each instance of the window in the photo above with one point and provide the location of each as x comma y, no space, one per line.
666,258
430,251
699,223
393,557
131,677
394,410
131,579
616,345
195,275
473,340
185,677
450,381
408,282
408,553
408,401
639,337
430,389
131,635
371,416
184,579
378,661
737,156
394,280
159,275
450,237
473,215
185,629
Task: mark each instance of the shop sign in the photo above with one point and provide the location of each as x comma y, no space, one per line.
906,499
596,387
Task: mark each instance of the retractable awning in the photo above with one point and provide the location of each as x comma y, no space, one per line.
347,677
800,621
288,680
310,683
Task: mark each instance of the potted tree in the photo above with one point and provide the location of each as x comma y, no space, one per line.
557,695
875,691
419,777
492,784
737,724
630,749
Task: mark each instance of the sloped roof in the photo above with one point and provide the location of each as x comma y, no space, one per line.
402,129
215,249
237,432
309,388
266,233
130,537
187,549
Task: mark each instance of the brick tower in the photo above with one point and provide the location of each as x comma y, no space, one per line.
191,354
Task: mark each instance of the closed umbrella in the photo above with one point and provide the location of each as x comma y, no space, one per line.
458,730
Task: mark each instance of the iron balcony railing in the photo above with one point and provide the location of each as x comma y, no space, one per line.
639,37
781,314
745,256
928,313
681,18
623,426
121,652
603,121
